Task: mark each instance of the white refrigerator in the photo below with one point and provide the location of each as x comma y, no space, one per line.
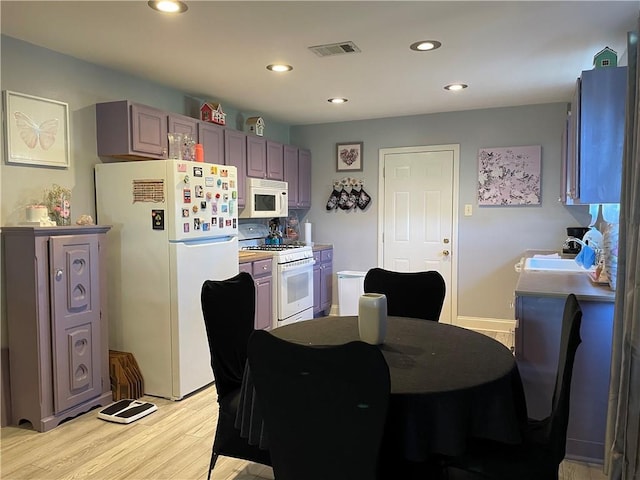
174,225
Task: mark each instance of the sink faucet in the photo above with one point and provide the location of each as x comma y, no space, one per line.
573,239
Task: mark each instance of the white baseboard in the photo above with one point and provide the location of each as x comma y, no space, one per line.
486,324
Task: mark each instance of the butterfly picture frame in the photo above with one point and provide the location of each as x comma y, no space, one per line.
36,130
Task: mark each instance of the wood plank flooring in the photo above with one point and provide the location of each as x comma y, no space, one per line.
172,443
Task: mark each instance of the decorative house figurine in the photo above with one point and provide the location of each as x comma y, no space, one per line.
212,112
255,125
605,58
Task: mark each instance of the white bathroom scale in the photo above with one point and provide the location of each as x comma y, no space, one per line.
126,411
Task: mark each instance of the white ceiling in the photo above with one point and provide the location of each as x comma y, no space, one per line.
509,53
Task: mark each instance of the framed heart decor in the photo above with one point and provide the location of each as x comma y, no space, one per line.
349,157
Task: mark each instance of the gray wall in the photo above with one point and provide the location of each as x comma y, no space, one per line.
493,239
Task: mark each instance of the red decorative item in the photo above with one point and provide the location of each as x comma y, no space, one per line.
212,112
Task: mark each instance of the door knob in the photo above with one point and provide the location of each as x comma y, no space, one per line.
445,253
58,274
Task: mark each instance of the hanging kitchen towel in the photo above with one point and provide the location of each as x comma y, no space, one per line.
587,257
332,203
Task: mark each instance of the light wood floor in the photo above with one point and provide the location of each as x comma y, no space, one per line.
171,443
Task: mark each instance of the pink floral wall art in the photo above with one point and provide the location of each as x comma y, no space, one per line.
509,176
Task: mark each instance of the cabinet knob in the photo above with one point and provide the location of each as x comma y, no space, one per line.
58,274
445,253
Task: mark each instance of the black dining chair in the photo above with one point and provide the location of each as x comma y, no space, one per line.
409,294
228,308
543,447
324,408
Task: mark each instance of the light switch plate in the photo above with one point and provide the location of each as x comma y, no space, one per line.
468,210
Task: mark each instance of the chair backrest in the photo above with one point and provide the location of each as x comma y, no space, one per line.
324,408
228,307
409,294
569,341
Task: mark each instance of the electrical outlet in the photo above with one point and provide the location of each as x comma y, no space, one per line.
468,210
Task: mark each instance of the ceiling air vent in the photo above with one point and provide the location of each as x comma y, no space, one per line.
331,49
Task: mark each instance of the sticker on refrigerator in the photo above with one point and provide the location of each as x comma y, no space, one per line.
225,186
196,224
185,227
227,222
224,172
185,213
214,221
214,170
197,171
214,208
205,227
203,205
221,222
182,167
199,191
209,181
235,223
157,219
224,208
186,195
232,183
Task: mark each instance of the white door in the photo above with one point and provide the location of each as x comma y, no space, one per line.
418,198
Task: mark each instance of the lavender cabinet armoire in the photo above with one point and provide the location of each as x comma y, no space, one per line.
57,322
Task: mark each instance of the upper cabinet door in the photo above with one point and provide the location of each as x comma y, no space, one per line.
183,124
235,153
275,162
602,119
148,130
211,137
304,178
290,160
131,131
256,157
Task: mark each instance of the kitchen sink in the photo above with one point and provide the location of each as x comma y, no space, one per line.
554,265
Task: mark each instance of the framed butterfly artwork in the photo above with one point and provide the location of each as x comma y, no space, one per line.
36,130
349,157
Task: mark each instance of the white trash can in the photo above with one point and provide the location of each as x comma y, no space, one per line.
350,287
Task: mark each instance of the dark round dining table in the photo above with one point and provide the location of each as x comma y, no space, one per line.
448,384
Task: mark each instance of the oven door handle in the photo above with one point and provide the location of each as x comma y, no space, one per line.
297,265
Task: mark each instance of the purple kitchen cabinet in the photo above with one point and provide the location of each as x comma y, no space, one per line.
211,136
57,322
235,153
261,271
131,131
297,173
290,160
256,157
304,178
537,346
182,124
275,161
322,281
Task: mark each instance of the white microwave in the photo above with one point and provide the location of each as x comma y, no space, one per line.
265,199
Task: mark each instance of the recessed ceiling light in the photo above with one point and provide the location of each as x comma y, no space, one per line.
168,6
279,67
425,45
454,87
338,100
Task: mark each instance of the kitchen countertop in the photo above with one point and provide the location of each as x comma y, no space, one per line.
561,284
319,246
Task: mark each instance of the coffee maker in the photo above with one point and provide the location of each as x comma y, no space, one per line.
572,247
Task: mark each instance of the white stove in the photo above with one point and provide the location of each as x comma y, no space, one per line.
292,275
284,253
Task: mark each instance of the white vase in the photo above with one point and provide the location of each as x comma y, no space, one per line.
372,318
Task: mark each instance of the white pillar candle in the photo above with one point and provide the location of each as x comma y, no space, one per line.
372,318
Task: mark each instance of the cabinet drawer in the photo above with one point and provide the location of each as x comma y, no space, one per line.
327,255
246,267
262,267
